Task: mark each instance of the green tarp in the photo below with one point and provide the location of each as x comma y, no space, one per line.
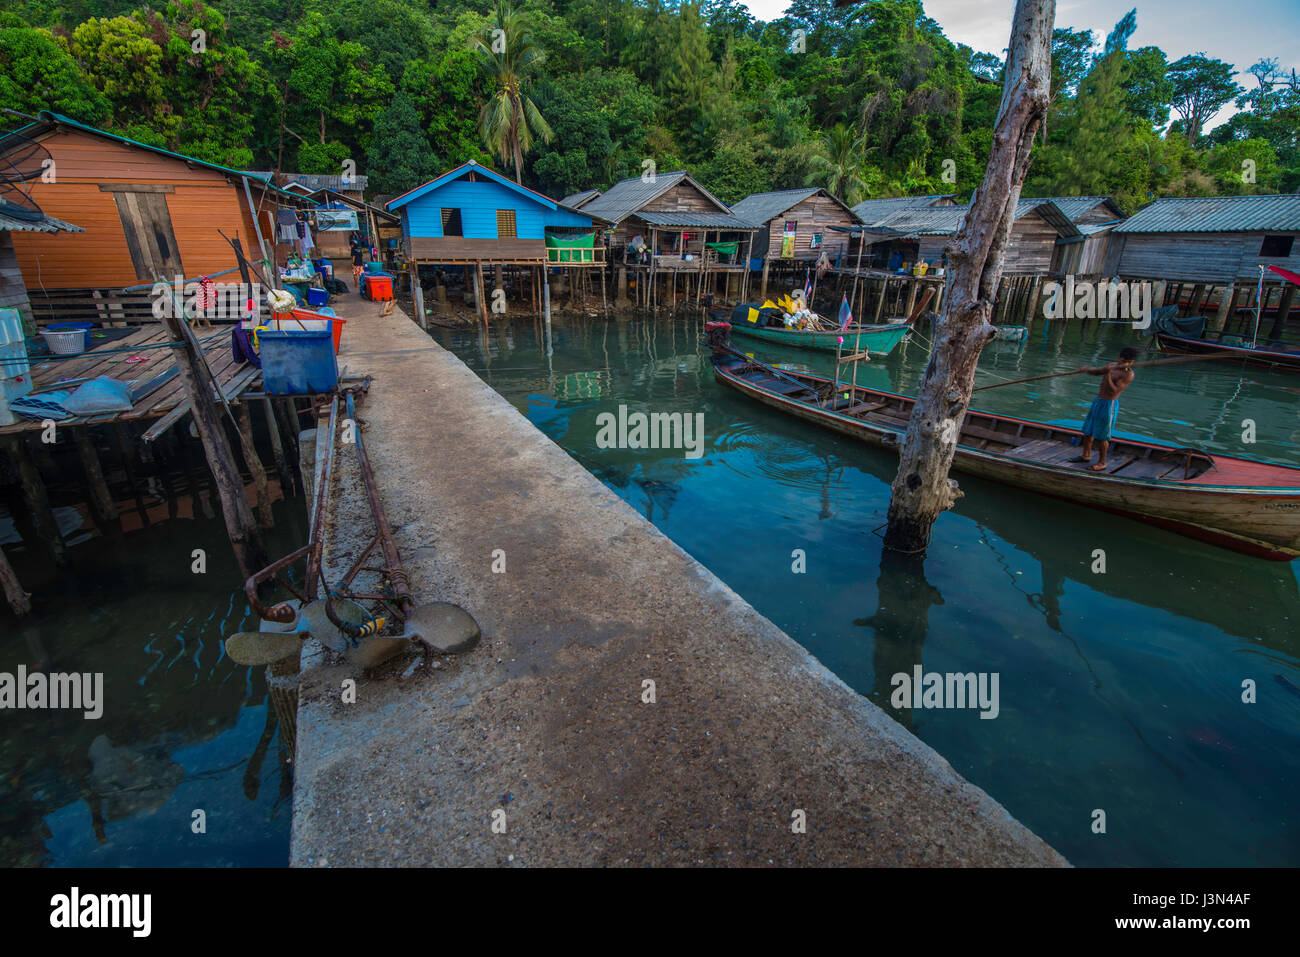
728,248
571,249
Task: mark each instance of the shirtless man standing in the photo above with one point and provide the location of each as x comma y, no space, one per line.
1115,378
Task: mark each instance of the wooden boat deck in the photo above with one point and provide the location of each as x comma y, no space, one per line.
110,359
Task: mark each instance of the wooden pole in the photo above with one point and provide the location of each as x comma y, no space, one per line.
256,469
240,525
277,448
37,502
19,600
1225,306
1136,365
1283,312
767,262
101,500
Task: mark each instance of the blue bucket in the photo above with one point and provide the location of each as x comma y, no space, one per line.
298,363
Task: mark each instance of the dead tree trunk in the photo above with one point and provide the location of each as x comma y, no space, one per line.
922,489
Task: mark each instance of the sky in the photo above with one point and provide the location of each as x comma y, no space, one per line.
1253,30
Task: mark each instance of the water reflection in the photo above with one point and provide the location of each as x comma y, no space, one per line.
183,727
1120,690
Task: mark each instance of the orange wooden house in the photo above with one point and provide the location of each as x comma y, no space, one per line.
146,212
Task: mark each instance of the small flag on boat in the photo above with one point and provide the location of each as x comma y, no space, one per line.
807,290
846,314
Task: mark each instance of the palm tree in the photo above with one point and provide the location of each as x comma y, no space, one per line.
509,119
839,164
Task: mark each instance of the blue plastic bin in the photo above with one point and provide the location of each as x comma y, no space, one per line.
298,363
317,296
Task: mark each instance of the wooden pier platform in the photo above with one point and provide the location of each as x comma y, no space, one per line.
112,358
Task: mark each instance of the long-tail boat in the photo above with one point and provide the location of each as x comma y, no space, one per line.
878,340
1245,505
1189,336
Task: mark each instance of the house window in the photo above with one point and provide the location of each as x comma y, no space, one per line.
451,223
1276,247
506,223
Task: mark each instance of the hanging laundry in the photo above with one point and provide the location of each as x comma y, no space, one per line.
286,226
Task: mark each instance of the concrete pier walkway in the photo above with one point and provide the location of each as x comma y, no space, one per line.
545,720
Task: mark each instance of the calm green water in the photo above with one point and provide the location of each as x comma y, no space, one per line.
1119,691
183,726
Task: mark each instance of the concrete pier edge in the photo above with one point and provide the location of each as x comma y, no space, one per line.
542,729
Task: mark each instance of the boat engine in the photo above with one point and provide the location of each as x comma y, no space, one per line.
718,333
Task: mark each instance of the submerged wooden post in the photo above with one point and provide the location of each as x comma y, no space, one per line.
244,421
37,501
19,600
277,447
127,453
240,525
1226,302
1283,312
101,500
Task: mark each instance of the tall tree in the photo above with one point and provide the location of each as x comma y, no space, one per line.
922,490
1202,86
510,119
399,156
838,166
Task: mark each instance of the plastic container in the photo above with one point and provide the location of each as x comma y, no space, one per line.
308,321
65,342
317,296
377,288
84,327
374,267
298,363
15,369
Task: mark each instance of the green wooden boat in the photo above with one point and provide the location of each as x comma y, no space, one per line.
876,340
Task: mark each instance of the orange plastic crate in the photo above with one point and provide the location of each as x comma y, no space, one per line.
378,288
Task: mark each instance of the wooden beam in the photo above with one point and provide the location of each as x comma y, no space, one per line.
240,525
37,502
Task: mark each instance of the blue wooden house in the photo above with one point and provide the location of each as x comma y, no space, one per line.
474,215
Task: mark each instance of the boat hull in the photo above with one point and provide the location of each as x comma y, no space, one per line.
1260,521
1181,345
876,340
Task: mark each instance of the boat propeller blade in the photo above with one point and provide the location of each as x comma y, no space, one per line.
314,620
262,647
444,627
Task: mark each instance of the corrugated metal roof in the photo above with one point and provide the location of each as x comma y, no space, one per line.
1217,214
872,211
628,195
46,224
315,181
946,220
762,207
692,219
1076,207
575,200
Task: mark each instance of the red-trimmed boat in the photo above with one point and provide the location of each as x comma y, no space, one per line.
1248,506
1189,336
